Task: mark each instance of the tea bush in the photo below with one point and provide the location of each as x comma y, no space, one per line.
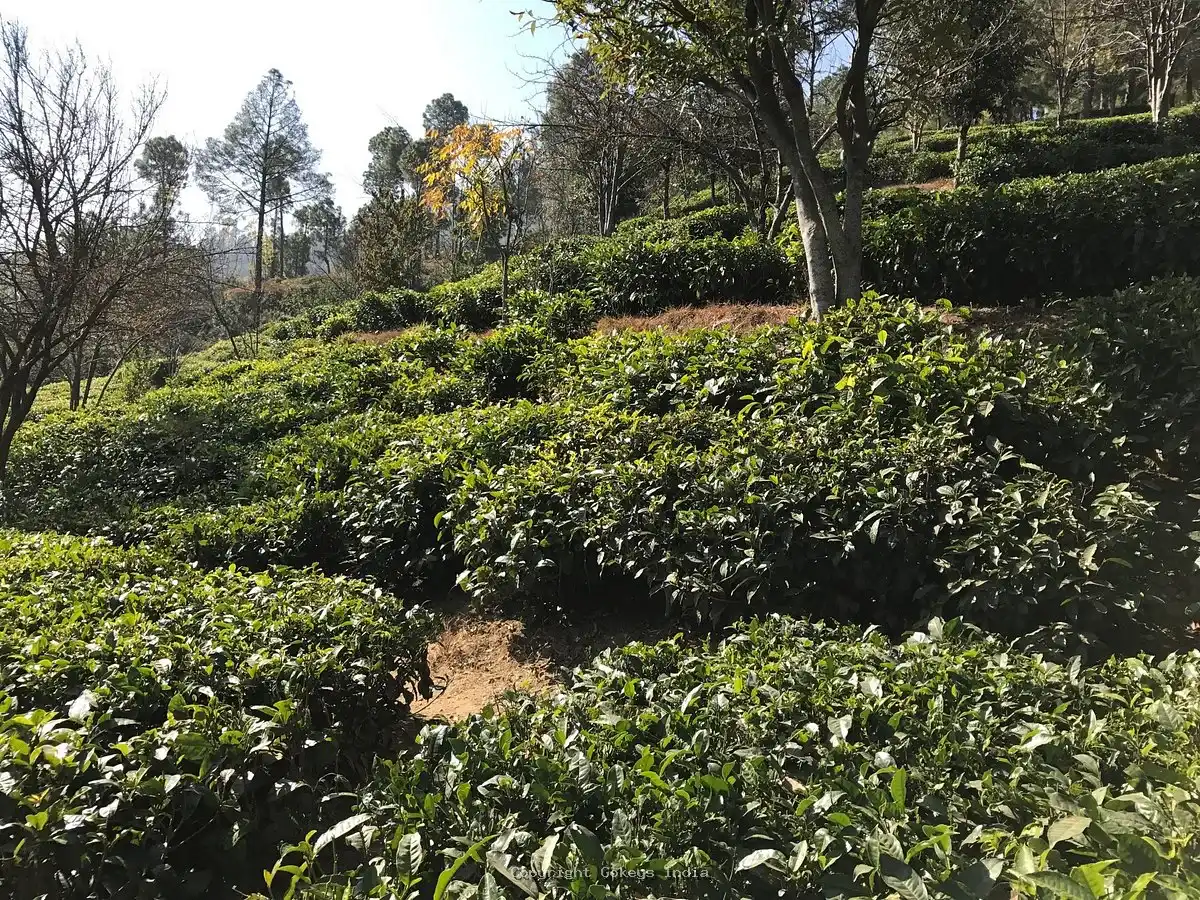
880,466
163,728
1145,343
649,265
877,467
1006,154
1117,126
726,222
905,167
803,760
1073,235
201,439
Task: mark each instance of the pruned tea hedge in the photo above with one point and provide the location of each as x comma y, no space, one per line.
163,728
801,760
1070,236
881,466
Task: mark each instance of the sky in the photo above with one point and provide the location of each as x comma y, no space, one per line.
357,66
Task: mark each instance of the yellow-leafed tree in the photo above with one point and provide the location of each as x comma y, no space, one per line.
476,173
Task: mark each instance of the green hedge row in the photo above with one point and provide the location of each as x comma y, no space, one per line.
800,760
1007,154
1072,235
1025,240
879,466
163,729
1114,127
649,265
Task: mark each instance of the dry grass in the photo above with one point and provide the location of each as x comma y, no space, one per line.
938,184
734,316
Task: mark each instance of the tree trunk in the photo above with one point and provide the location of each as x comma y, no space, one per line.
780,209
817,258
847,264
6,439
17,400
256,312
916,132
960,154
258,243
1061,112
93,367
76,378
1088,101
666,197
505,252
712,188
1158,87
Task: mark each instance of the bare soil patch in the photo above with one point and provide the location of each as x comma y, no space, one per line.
474,663
477,658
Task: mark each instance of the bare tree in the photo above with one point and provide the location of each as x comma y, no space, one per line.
1160,31
74,236
160,316
725,138
1070,35
770,56
591,131
212,274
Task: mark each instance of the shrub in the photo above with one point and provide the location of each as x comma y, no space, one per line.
395,309
880,466
877,467
1144,343
200,439
499,360
901,166
566,315
644,278
162,728
1075,235
1004,155
473,302
802,760
726,222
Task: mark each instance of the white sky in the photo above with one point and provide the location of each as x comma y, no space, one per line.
357,65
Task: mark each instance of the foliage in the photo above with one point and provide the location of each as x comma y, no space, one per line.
800,759
164,164
1073,235
263,159
727,222
321,230
386,240
385,173
474,169
163,728
902,166
1146,343
1005,154
882,466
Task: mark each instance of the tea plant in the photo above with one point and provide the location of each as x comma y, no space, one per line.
162,728
803,760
